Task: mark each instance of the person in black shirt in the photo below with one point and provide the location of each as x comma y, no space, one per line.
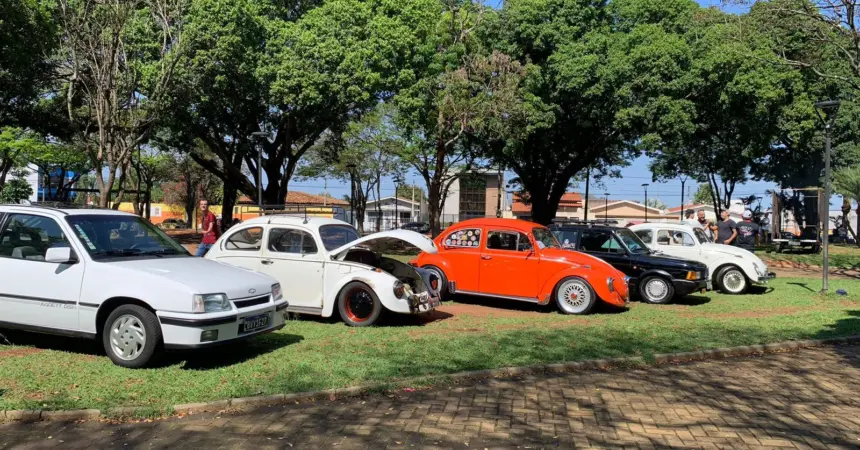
747,232
727,230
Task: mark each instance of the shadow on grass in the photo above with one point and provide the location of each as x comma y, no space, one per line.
803,285
388,319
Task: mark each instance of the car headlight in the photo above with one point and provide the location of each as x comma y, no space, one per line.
399,289
697,275
210,303
276,292
610,283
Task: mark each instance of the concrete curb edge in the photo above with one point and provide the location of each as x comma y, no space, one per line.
267,400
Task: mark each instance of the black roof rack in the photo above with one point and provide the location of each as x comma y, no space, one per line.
577,221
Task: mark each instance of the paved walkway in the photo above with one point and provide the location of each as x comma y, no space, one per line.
809,398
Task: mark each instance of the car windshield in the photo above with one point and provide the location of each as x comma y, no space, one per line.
632,241
115,236
334,236
544,238
701,236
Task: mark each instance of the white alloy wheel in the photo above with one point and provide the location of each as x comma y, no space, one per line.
127,337
656,290
574,296
733,281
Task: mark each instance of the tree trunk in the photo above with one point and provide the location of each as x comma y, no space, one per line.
227,204
434,195
190,202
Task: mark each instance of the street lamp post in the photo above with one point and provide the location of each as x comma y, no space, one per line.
397,182
645,185
830,109
606,207
260,135
351,169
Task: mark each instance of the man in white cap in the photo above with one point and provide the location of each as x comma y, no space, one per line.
747,232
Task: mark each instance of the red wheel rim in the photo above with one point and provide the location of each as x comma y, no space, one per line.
358,305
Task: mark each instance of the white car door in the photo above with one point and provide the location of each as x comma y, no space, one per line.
242,247
32,291
292,256
680,243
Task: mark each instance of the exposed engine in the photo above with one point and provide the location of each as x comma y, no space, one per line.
415,280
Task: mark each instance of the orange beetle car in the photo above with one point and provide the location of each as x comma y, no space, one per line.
520,260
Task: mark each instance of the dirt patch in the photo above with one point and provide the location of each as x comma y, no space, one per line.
19,352
461,309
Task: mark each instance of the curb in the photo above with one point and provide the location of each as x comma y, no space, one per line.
268,400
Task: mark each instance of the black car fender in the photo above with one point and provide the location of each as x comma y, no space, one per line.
655,272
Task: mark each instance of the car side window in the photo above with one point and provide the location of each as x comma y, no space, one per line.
567,238
508,240
646,235
283,240
663,237
464,238
683,238
29,237
599,241
249,239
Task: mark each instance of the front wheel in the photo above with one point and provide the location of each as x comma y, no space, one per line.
573,295
656,290
358,305
131,335
732,281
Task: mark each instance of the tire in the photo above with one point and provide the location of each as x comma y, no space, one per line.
573,295
358,305
656,290
131,336
443,280
731,280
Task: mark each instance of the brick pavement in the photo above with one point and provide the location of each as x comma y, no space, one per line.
805,399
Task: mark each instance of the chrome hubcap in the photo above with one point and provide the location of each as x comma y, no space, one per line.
127,337
574,296
656,289
734,281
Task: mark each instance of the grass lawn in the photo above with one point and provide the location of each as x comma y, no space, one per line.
59,373
842,256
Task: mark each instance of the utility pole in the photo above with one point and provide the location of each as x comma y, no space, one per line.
645,185
830,108
587,182
683,199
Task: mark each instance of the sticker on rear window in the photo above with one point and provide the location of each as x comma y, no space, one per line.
84,237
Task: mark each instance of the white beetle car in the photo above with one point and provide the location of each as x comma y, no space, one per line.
113,276
733,269
323,265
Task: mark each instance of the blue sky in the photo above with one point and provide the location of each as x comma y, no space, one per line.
629,186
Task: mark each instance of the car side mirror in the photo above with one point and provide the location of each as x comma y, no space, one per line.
60,255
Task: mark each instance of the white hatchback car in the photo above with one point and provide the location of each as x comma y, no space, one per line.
323,264
733,269
113,276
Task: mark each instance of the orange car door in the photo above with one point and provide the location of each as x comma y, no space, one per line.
462,250
509,265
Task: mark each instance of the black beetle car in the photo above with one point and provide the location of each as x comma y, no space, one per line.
656,278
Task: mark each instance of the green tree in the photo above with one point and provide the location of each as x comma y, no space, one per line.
603,81
16,145
703,195
363,154
296,70
117,61
27,36
17,188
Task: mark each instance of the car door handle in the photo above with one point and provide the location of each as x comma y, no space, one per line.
486,257
267,262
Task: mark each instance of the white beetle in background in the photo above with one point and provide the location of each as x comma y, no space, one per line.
323,265
733,269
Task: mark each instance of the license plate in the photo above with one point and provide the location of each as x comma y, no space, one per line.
431,304
254,323
796,243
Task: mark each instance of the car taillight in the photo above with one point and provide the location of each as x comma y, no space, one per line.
434,283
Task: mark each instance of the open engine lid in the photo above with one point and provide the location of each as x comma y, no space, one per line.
385,240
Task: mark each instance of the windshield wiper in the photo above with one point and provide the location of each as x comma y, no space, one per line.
123,252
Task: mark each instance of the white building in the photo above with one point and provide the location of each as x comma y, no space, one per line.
33,179
395,213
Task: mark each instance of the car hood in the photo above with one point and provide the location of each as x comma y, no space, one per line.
383,241
204,276
733,251
577,257
670,262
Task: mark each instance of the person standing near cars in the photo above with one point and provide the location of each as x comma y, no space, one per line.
706,224
747,232
210,229
727,229
690,218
